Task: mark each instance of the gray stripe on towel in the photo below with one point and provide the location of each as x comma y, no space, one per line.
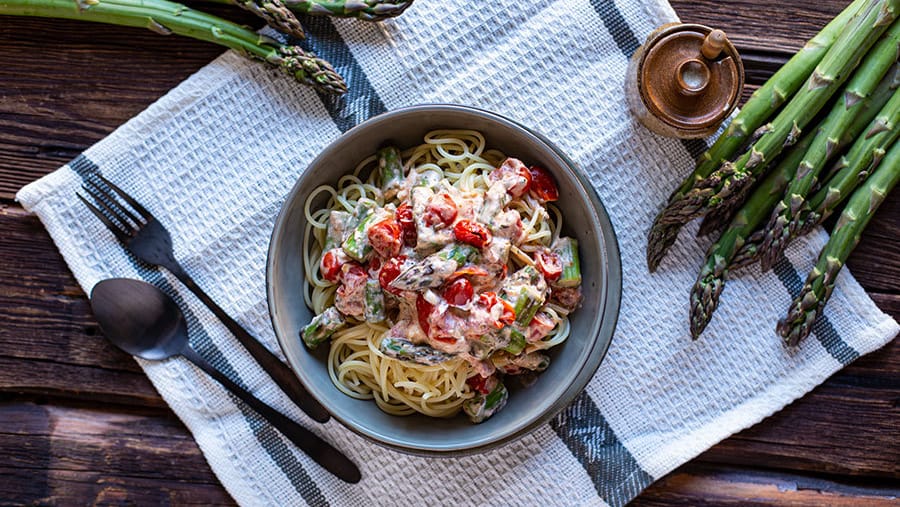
270,439
616,475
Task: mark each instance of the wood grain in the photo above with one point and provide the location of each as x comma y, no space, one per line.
63,455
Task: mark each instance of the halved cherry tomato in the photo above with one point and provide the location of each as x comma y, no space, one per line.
549,264
440,210
385,238
331,266
513,169
459,292
407,223
543,185
489,299
423,309
472,233
477,383
444,338
389,271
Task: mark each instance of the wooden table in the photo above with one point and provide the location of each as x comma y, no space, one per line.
80,423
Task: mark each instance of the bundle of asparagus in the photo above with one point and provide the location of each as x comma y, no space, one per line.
166,17
765,176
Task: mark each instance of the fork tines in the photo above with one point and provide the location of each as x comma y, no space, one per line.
109,209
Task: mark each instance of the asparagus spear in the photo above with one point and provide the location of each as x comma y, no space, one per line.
322,327
764,101
390,171
828,141
405,350
739,245
368,10
711,280
165,17
819,284
727,186
852,169
275,13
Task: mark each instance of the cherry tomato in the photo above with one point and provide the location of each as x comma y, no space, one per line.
385,238
543,185
472,233
331,266
423,309
477,383
515,170
444,338
389,272
489,299
549,264
407,223
459,292
440,210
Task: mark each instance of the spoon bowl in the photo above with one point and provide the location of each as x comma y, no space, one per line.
139,318
142,320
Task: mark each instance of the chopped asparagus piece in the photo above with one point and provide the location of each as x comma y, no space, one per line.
516,342
322,327
482,406
374,301
339,223
434,269
405,350
567,250
390,171
357,244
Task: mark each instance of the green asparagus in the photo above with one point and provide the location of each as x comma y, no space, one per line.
368,10
480,407
339,222
852,169
275,13
390,171
405,350
741,242
764,101
165,17
567,250
819,284
433,270
516,341
711,280
831,139
727,186
374,297
322,327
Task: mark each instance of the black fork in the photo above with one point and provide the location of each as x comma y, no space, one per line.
146,238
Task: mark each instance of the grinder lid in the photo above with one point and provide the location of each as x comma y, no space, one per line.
691,76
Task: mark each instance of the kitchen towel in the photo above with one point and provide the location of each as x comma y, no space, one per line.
214,159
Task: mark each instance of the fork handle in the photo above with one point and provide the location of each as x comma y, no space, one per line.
280,372
319,450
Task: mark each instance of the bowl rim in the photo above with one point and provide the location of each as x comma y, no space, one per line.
611,300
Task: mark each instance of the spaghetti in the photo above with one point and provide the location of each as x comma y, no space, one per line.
435,272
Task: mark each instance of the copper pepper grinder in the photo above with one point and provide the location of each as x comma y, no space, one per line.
684,81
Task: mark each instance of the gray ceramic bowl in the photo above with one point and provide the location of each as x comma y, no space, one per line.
573,363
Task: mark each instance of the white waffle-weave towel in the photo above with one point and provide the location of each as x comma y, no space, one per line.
214,158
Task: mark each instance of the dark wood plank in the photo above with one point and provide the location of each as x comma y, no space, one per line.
49,341
61,455
88,80
701,485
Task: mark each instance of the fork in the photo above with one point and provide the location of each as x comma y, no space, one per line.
145,237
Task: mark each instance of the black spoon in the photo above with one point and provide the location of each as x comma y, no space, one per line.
142,320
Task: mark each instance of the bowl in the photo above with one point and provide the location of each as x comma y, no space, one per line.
573,363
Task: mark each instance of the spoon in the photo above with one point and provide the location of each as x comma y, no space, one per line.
142,320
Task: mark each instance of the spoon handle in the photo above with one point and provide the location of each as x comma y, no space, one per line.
319,450
280,372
